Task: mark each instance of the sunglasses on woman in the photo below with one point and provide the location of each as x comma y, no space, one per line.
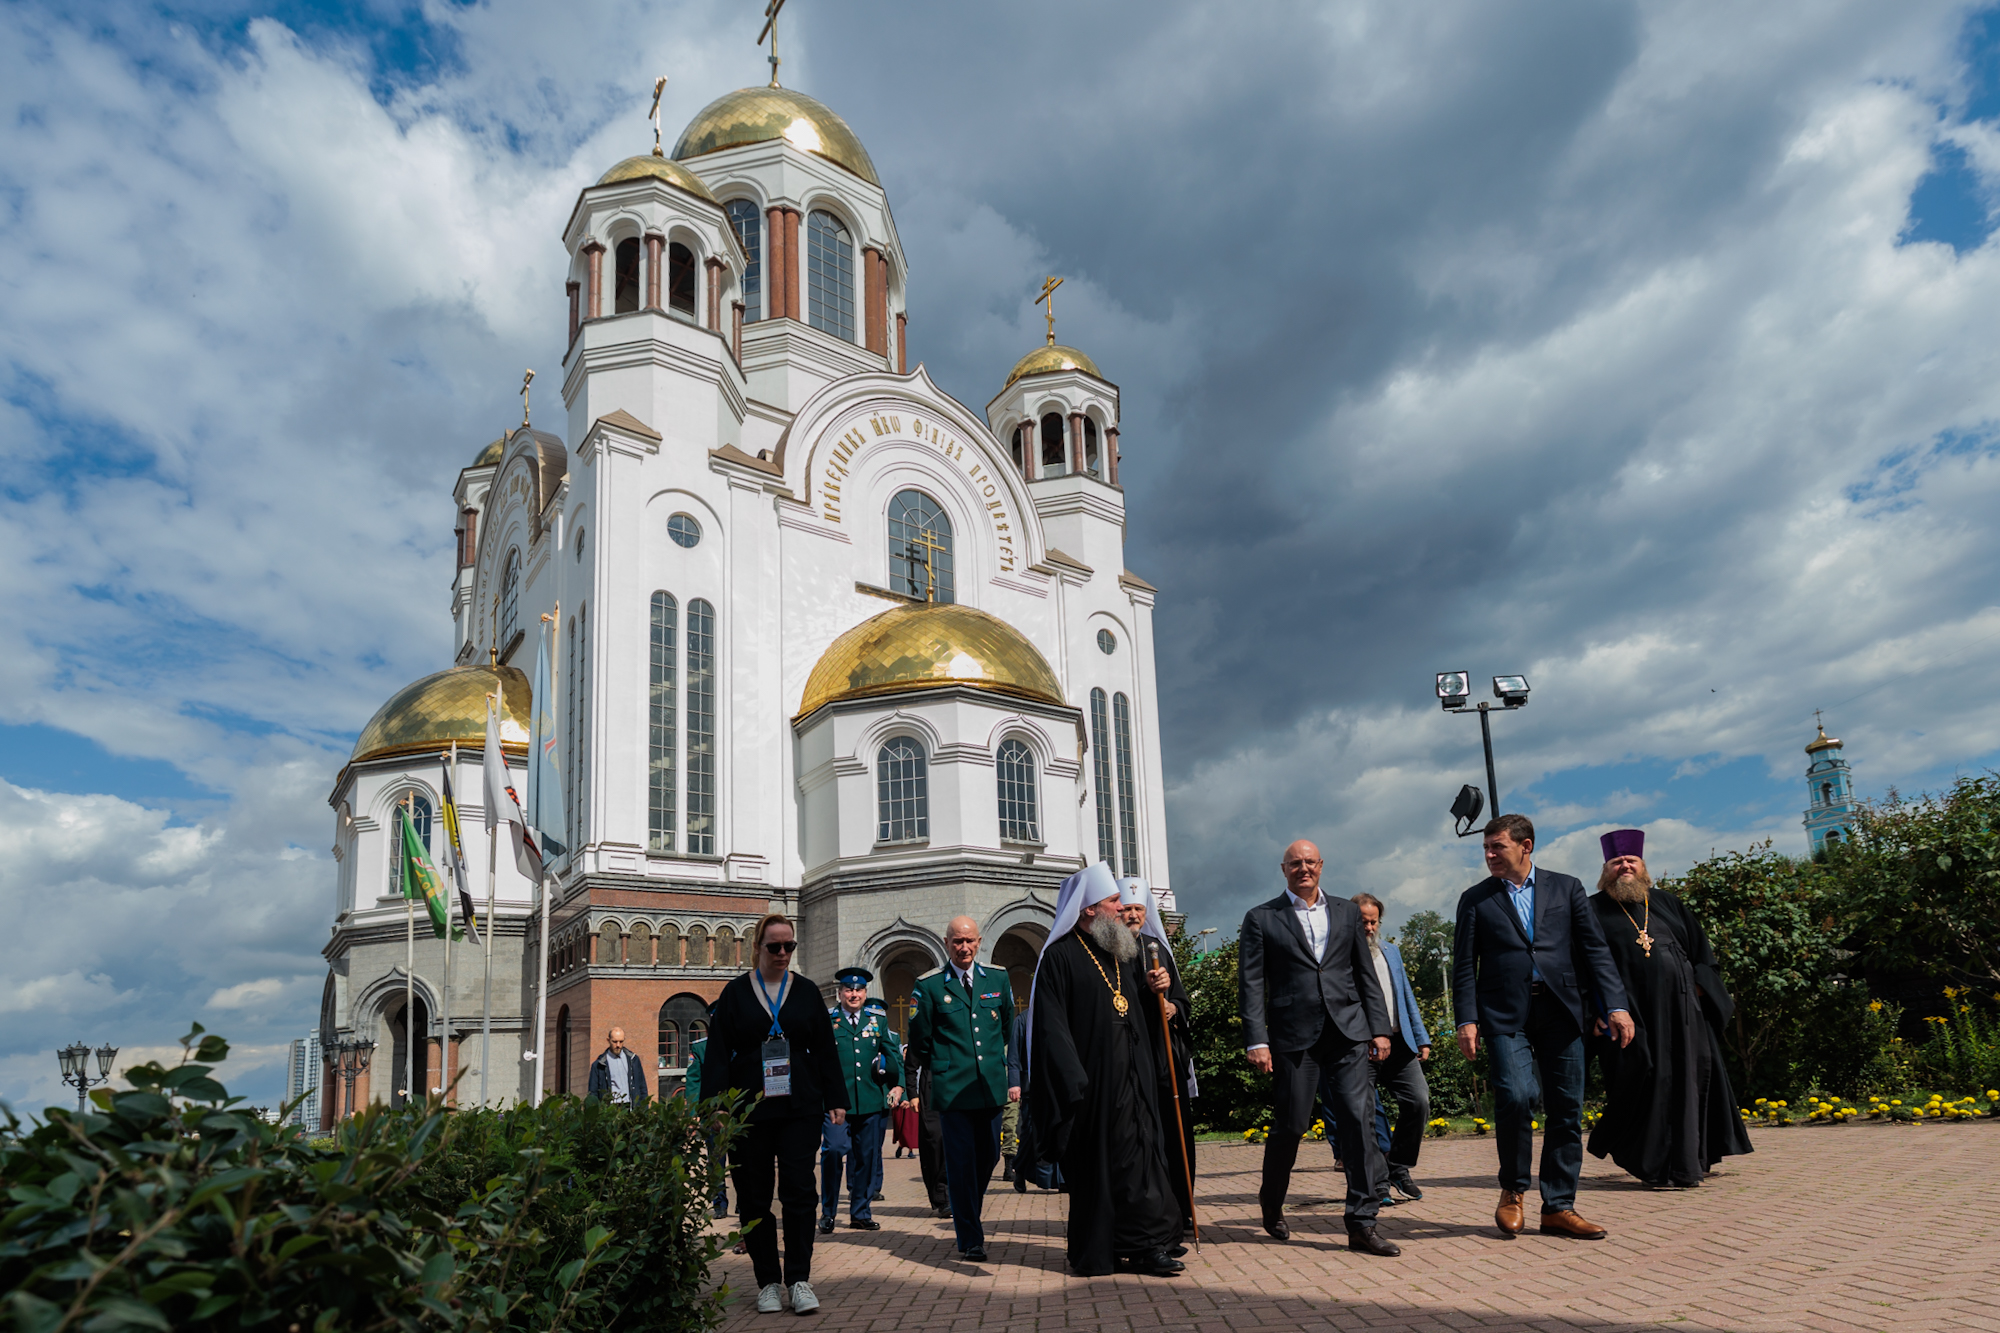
781,946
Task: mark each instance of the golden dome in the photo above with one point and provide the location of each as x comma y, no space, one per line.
660,168
759,115
922,647
1822,742
491,453
449,706
1050,358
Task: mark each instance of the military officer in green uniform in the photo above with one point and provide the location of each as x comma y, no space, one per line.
961,1022
872,1067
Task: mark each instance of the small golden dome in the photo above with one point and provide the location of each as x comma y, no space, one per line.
1052,357
1822,742
449,706
491,453
759,115
923,647
660,168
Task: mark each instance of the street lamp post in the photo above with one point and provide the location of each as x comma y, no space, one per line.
1454,691
352,1055
75,1060
1201,939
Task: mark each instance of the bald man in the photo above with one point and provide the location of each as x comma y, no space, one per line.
961,1020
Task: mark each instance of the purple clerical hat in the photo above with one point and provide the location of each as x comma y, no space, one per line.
1624,842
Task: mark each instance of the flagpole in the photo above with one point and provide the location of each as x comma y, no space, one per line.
450,912
486,1003
542,950
409,966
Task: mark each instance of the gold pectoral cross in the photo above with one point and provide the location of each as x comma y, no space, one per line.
1049,285
1646,942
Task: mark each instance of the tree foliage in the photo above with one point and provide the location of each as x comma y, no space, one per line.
1921,882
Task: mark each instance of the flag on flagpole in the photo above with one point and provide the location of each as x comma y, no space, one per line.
545,805
503,804
454,853
420,881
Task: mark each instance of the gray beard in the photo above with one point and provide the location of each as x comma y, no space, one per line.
1630,891
1110,935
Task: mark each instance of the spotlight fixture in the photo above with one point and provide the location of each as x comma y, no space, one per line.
1511,690
1454,688
1465,811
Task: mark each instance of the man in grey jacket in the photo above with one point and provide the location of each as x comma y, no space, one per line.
618,1074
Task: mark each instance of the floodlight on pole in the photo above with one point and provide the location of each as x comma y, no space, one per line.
1454,692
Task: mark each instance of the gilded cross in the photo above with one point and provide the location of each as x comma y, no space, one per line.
659,86
771,31
1049,286
927,542
526,380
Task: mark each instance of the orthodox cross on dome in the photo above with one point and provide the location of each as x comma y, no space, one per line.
526,380
925,542
771,31
659,86
1049,286
1819,721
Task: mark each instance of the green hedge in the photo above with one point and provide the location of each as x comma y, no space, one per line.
169,1207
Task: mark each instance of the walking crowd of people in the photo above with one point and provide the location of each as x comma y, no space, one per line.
1089,1086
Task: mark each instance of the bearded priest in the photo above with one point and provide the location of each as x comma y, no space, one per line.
1094,1078
1671,1115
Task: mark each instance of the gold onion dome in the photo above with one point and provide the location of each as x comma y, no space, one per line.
1822,742
446,707
1052,357
759,115
491,453
660,168
926,646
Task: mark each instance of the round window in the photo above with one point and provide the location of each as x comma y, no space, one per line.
684,530
1107,643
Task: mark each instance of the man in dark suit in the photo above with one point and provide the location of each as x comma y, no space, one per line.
1311,1002
1525,939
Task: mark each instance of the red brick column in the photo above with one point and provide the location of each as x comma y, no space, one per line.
1031,444
714,294
875,324
902,343
575,290
736,332
794,267
1111,454
656,245
594,307
1076,461
774,264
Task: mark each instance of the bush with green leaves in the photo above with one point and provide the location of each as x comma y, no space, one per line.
169,1207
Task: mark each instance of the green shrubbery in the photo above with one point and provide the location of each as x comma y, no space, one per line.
169,1208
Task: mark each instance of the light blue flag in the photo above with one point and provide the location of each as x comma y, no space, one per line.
545,806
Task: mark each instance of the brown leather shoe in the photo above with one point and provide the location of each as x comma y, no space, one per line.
1569,1222
1509,1216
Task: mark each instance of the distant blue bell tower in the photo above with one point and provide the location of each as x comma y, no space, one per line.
1829,793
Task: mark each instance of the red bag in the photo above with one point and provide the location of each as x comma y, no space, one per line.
904,1121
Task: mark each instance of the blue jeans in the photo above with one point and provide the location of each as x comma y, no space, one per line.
862,1159
1549,1052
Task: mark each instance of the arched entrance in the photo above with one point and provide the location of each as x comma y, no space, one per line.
402,1088
1016,952
683,1022
900,971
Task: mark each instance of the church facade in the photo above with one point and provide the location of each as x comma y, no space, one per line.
826,640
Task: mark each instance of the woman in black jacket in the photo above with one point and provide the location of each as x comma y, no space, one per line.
769,1034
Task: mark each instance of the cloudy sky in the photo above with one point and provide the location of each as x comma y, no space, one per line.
1652,350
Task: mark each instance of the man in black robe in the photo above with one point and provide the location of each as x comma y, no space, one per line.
1671,1115
1140,911
1094,1084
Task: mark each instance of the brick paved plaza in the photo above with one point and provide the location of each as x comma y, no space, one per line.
1847,1227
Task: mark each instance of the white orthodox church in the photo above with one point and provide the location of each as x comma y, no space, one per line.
828,641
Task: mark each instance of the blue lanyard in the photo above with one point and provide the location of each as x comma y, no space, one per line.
777,1029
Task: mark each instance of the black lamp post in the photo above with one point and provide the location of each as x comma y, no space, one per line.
352,1055
1454,689
76,1068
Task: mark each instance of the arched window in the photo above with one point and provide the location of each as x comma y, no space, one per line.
1014,447
725,948
608,954
1100,772
670,945
626,289
673,1055
829,276
1826,793
902,784
562,1049
1832,837
1090,447
1015,771
680,277
697,946
700,728
420,816
663,706
1052,444
919,548
685,1017
1128,816
747,220
510,604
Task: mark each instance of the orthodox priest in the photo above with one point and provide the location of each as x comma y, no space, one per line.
1094,1082
1671,1115
1141,913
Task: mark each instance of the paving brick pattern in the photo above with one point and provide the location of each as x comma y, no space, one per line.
1851,1227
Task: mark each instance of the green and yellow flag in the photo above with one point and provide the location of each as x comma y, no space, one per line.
420,880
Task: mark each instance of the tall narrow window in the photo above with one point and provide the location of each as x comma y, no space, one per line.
569,735
1128,815
1014,769
829,276
919,547
1052,445
510,603
562,1049
1090,448
672,1053
700,728
663,703
903,798
582,732
1100,771
748,222
420,817
680,278
626,293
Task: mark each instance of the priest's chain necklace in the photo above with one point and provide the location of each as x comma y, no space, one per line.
1645,941
1117,988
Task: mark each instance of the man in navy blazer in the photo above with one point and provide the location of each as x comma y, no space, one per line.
1524,941
1401,1075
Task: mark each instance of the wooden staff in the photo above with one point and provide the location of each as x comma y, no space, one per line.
1180,1131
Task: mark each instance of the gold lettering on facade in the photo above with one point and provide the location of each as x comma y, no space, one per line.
890,425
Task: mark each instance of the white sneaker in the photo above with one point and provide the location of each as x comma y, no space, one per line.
803,1300
769,1299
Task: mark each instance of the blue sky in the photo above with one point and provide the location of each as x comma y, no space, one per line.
1649,350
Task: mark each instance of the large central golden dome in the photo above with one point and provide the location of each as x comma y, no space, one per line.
922,647
759,115
449,706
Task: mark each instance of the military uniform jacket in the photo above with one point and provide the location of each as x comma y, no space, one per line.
858,1046
961,1038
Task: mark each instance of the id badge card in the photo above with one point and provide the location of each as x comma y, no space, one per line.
777,1068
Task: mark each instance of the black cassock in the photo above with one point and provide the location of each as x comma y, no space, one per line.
1094,1085
1180,1148
1671,1114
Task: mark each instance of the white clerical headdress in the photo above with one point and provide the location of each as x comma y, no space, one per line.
1092,884
1134,891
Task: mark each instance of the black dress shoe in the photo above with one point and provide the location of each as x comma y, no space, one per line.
1176,1251
863,1224
1365,1240
941,1209
826,1226
1156,1264
877,1197
1274,1223
976,1255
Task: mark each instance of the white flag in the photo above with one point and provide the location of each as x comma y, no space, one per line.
503,803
